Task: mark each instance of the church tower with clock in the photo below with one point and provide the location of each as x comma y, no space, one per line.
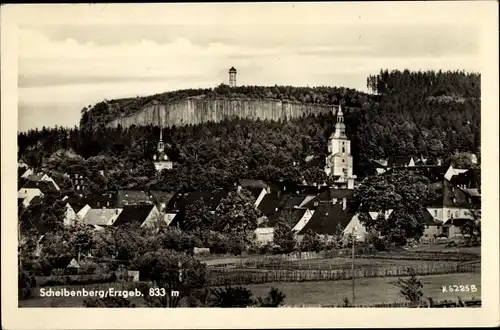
339,165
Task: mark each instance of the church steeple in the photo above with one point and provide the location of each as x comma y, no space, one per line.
340,126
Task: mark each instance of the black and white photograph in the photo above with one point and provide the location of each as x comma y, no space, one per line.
253,155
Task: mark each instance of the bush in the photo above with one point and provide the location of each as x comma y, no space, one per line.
411,288
275,298
26,282
230,297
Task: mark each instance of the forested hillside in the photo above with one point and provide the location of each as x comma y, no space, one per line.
407,117
104,112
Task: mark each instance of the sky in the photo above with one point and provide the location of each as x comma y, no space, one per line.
65,67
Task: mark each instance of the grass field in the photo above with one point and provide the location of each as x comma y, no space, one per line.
367,290
358,263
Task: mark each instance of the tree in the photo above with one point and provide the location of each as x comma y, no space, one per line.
472,229
237,214
170,271
26,283
274,298
403,193
311,242
231,297
411,288
461,160
284,237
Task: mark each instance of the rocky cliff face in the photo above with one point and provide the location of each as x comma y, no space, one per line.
197,110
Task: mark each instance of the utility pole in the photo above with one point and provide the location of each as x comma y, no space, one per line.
353,242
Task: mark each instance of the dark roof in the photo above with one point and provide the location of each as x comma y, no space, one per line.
428,219
107,199
44,186
398,161
21,171
133,213
255,192
269,203
77,206
295,214
162,196
291,201
458,222
248,183
232,69
434,173
316,162
21,182
311,189
327,218
341,193
469,179
131,197
211,199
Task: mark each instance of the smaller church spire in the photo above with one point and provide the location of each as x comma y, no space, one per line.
340,115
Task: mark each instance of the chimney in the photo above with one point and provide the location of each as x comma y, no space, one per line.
344,203
116,211
334,201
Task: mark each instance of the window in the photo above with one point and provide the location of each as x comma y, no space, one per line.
449,213
343,149
435,213
456,214
343,161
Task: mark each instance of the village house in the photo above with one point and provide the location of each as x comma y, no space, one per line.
132,197
32,189
146,215
101,218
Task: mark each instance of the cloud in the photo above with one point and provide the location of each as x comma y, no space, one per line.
63,68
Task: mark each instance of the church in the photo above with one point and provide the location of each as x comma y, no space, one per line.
339,164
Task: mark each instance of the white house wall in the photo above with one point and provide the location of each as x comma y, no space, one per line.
360,228
261,196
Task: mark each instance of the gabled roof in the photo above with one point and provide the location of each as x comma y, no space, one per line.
327,218
398,161
428,219
21,182
269,204
77,206
131,197
458,222
469,179
35,177
162,196
100,216
133,214
341,193
249,183
295,214
211,199
44,186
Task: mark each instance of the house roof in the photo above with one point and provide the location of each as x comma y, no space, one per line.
428,219
468,179
133,214
327,218
44,186
160,196
35,177
291,201
232,69
248,183
131,197
269,203
398,161
255,192
458,222
341,193
100,216
295,214
21,182
77,206
21,171
211,199
108,199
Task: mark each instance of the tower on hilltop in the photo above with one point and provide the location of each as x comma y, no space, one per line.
232,77
339,161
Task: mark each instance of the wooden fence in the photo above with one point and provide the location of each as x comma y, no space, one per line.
220,277
278,261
